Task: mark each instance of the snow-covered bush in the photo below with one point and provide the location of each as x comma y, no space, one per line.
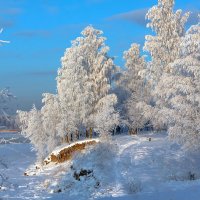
132,185
181,166
90,171
106,118
100,158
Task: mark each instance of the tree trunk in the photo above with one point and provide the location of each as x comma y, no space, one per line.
77,134
133,131
67,139
87,134
71,137
91,132
113,131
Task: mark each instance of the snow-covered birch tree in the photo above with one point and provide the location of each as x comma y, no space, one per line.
41,126
32,128
134,83
71,82
164,48
106,117
85,79
181,89
100,68
50,114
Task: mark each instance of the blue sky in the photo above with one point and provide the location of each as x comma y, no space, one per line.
41,30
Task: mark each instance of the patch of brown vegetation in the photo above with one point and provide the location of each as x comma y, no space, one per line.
67,153
9,131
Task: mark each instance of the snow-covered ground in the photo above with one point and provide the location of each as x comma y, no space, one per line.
15,157
131,167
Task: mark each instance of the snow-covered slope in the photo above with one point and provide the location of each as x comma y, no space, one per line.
133,166
129,167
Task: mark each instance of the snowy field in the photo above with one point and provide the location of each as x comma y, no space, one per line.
15,157
133,168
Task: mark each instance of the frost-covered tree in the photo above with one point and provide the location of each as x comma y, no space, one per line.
70,84
136,87
5,98
164,48
106,117
182,92
83,101
99,67
50,114
6,108
84,80
32,128
41,126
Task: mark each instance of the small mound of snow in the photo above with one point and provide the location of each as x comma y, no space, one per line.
63,152
90,172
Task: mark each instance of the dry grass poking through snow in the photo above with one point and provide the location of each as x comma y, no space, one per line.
67,153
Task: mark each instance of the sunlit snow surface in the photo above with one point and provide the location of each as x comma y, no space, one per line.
141,169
